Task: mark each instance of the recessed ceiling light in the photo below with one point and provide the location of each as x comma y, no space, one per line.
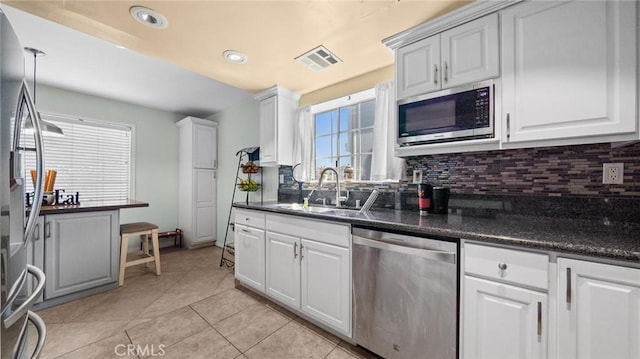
235,57
149,17
121,47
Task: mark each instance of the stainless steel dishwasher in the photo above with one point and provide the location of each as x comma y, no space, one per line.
405,293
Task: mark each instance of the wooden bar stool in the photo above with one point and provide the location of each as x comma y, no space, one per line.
146,231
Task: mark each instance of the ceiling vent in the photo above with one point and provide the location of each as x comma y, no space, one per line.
318,59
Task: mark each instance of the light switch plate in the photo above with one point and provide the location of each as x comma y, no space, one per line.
417,176
613,173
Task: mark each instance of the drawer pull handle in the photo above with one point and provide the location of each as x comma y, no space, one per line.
247,218
568,285
246,230
301,248
295,250
502,266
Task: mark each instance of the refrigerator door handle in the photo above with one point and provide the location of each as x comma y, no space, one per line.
25,99
24,307
42,332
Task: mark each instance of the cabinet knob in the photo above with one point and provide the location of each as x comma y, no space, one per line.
502,266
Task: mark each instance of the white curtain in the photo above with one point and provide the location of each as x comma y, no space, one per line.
303,144
384,165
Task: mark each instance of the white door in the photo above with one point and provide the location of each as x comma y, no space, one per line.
283,268
598,310
503,321
325,283
569,69
204,198
418,68
249,256
204,146
470,52
268,130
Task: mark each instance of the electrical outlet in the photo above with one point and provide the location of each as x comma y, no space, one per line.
613,173
417,176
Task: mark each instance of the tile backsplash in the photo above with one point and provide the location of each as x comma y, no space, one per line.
545,171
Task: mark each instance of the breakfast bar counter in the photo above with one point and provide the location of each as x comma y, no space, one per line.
92,206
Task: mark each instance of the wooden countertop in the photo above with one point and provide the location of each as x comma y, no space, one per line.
92,206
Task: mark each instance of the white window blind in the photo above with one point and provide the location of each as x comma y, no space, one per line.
92,158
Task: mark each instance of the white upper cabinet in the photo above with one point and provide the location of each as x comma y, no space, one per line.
417,67
464,54
598,310
204,146
277,115
569,72
470,52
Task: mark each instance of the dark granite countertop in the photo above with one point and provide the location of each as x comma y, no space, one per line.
618,241
92,206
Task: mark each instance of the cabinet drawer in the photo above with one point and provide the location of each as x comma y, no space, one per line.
508,265
317,230
249,218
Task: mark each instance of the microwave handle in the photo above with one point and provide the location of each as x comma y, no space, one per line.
435,74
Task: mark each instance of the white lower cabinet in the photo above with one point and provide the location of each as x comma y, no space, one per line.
283,268
598,310
249,256
503,321
325,283
81,251
308,268
505,303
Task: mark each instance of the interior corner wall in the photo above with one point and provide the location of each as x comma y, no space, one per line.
156,149
238,128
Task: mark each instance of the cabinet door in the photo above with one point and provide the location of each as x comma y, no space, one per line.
81,251
325,284
569,70
249,256
283,268
204,146
268,130
204,198
470,52
598,310
418,68
503,321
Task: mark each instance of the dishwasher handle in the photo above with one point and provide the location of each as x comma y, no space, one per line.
432,254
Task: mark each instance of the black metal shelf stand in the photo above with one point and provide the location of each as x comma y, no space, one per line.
249,154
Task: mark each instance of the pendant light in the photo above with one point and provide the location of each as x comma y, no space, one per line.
48,128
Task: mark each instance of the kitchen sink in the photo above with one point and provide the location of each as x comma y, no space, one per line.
299,207
343,212
331,211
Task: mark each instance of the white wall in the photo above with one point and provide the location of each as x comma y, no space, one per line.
156,151
238,127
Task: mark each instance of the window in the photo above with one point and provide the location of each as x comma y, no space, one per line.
344,134
93,158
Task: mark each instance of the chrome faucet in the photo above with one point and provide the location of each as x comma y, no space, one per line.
338,198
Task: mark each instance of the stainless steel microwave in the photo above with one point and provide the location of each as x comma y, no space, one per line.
454,114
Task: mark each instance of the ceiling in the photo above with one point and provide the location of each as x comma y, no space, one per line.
189,50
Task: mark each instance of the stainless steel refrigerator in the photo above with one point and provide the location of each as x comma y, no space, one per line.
21,283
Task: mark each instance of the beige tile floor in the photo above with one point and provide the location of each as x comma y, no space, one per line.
193,310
